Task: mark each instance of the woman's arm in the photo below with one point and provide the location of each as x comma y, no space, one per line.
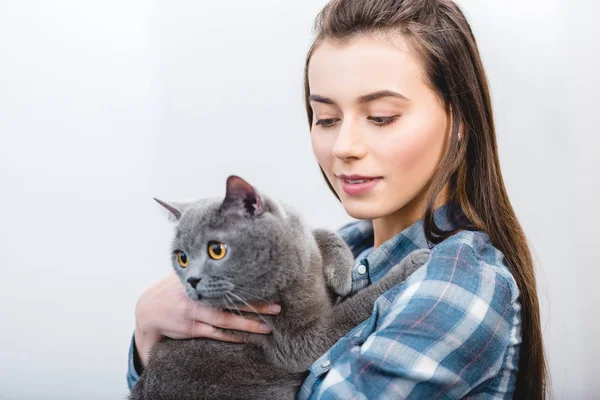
447,331
134,367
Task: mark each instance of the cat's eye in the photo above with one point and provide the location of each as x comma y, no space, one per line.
216,250
182,258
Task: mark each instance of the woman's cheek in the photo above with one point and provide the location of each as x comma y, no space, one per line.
413,155
404,151
322,150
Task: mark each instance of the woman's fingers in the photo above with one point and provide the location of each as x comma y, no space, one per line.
225,319
262,308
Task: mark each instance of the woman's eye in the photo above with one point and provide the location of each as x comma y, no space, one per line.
382,121
326,123
216,250
379,121
182,258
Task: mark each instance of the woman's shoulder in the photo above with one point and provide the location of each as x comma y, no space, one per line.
467,259
465,283
472,254
470,277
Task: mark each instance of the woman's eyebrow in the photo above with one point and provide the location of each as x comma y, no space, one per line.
362,99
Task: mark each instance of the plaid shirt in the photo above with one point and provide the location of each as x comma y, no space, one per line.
451,330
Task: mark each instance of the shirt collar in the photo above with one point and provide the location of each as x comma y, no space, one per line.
359,236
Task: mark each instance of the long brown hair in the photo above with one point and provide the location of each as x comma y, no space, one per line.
440,35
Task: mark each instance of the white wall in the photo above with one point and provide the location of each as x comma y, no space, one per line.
79,104
104,105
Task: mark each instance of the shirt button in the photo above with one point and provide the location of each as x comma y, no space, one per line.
326,364
362,269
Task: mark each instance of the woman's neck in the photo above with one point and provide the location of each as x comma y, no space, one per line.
390,225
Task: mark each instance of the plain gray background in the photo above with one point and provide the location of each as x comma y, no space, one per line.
105,104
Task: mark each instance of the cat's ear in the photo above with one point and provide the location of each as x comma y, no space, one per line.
242,196
175,208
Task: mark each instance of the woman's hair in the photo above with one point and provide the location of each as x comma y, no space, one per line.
439,34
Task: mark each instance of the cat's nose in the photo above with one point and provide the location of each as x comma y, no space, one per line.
193,282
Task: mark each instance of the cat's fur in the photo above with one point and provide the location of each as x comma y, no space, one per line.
272,258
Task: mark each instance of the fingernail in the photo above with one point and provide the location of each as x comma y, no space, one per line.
275,308
265,328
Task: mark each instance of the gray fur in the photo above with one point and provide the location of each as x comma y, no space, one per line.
273,257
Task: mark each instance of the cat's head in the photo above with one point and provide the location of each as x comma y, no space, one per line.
243,248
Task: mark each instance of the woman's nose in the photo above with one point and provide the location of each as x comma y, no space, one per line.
349,143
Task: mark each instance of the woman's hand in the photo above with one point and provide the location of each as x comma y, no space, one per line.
164,310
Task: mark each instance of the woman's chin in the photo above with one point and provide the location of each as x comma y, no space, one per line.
361,209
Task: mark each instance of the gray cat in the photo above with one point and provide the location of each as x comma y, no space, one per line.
250,248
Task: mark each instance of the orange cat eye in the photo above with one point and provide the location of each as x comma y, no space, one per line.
217,250
182,259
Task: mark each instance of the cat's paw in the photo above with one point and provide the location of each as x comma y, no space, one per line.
418,257
337,261
340,284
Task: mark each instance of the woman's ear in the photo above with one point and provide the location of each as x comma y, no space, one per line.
459,131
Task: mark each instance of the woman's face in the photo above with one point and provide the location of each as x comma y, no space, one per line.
378,130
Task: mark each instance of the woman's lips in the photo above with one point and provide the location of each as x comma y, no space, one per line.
356,185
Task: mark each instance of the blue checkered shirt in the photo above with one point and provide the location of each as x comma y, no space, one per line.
451,330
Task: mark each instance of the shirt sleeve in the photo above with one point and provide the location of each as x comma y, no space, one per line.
445,333
132,373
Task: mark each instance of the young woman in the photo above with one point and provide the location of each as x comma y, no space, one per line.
402,127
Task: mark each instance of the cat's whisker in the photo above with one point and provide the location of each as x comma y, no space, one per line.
249,306
233,302
229,300
227,303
